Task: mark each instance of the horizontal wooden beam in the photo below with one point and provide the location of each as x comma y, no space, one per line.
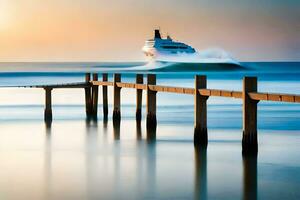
102,83
274,97
126,85
259,96
169,89
220,93
207,92
178,90
66,85
141,86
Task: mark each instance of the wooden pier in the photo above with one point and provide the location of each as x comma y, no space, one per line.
249,96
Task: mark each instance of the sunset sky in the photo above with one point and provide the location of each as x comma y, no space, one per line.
109,30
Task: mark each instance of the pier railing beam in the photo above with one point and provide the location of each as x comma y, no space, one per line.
48,106
104,96
249,116
95,89
200,123
139,98
117,98
151,103
88,98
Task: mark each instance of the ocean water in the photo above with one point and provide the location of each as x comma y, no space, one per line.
77,159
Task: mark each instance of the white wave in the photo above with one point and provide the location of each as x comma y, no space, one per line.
213,55
208,56
151,65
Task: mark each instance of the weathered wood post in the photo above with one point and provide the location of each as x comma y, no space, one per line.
104,96
88,98
117,98
48,105
139,96
200,124
95,89
151,103
249,116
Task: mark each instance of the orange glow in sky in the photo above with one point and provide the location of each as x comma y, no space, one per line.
102,30
5,14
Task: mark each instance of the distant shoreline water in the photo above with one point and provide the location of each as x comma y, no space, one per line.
6,67
273,77
276,77
264,70
75,158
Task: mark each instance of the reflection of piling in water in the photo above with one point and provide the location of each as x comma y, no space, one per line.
91,122
250,177
88,122
138,131
151,134
151,167
116,128
91,146
117,166
140,158
105,122
200,172
48,125
48,163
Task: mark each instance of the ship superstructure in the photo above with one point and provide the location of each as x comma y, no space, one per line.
160,46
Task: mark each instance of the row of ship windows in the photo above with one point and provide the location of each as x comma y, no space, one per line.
173,47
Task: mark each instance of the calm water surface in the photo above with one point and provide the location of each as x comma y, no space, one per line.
77,159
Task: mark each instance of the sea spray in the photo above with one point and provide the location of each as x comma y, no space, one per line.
212,55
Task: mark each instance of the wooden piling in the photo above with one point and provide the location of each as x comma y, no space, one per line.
104,96
139,97
117,98
95,89
88,98
151,103
48,105
200,121
249,116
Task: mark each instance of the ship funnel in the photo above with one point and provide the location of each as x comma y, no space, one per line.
157,34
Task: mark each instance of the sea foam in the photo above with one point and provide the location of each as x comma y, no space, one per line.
212,55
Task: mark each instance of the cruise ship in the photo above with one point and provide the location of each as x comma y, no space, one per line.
159,46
